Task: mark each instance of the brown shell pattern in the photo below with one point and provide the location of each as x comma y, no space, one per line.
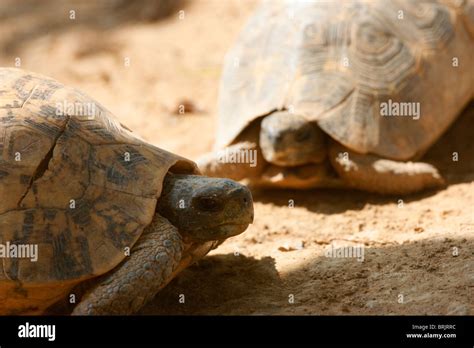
337,63
79,185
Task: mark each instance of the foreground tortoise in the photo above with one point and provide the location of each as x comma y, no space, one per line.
103,207
343,93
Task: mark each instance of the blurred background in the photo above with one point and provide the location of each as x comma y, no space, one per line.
143,59
140,59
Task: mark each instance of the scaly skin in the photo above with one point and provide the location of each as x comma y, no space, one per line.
136,280
289,140
194,215
375,174
297,154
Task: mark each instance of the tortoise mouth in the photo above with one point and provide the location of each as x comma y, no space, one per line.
303,176
295,158
218,232
232,229
303,171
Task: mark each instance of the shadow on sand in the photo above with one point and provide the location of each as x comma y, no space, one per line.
429,278
34,19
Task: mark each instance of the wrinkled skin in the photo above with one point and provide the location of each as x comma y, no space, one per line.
205,209
289,140
194,215
293,152
312,95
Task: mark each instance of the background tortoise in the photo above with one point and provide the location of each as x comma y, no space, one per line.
85,189
307,81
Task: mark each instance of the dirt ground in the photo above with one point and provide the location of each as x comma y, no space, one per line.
418,252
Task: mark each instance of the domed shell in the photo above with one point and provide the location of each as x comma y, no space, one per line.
352,67
73,181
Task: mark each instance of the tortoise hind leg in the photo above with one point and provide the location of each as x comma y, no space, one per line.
150,266
375,174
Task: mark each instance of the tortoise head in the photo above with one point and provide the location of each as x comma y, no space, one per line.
206,209
290,140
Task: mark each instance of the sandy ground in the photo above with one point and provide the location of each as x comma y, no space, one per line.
418,253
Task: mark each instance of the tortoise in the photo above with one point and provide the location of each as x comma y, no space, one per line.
308,88
90,203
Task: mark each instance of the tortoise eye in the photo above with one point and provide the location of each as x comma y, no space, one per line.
209,204
303,135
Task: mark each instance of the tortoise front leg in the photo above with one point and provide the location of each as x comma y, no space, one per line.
150,266
375,174
239,161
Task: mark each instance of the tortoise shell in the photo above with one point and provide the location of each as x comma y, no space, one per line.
73,181
337,63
